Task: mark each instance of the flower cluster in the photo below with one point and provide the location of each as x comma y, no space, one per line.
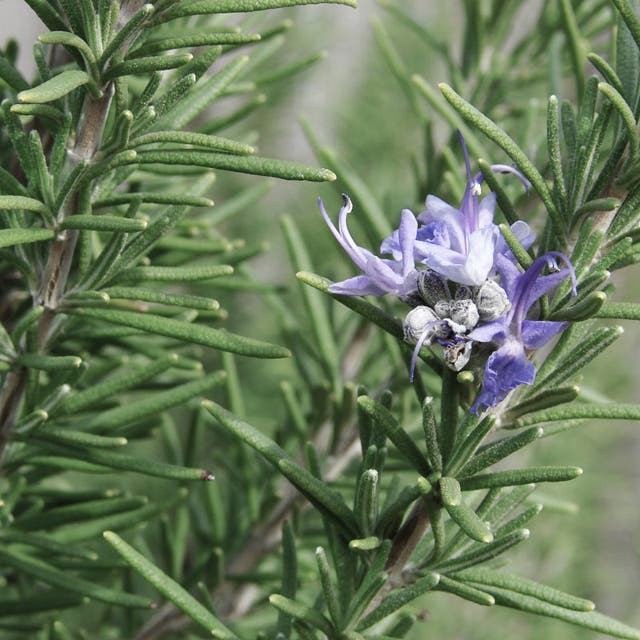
466,292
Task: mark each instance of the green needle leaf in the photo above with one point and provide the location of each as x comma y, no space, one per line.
10,237
22,202
398,599
314,302
113,460
70,40
138,66
627,11
450,492
154,403
543,400
520,476
151,295
67,582
50,363
31,603
582,411
57,87
582,310
589,620
196,139
620,310
302,612
11,75
238,6
400,438
76,438
499,450
485,552
187,332
176,274
243,164
317,491
626,114
133,376
463,590
115,224
469,522
526,587
169,588
133,517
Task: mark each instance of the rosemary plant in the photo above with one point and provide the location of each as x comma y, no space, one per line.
156,485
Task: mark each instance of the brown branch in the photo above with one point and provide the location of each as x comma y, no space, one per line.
56,272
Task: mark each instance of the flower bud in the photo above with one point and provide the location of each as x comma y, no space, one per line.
463,293
464,312
442,308
432,287
492,301
421,319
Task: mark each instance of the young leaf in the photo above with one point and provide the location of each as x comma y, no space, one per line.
57,87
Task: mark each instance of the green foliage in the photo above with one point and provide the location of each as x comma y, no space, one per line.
268,467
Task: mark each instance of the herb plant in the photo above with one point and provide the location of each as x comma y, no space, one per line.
179,460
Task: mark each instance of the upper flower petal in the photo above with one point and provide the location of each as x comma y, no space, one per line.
438,210
486,210
480,255
406,238
357,286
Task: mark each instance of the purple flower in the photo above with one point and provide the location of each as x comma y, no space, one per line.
461,244
380,275
509,366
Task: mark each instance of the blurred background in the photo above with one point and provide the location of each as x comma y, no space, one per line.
355,105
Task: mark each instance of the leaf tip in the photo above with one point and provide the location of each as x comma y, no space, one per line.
328,175
487,538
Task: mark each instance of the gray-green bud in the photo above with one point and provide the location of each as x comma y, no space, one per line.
421,319
464,312
492,301
442,308
432,287
464,293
